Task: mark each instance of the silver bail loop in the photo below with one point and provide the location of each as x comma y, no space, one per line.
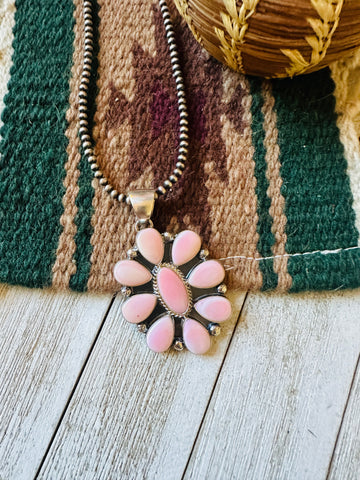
143,202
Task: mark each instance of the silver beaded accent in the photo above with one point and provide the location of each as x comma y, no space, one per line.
132,253
204,254
222,288
126,291
142,328
86,139
214,329
178,345
168,237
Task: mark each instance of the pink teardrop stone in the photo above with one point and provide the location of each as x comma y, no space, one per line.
186,245
137,308
161,334
172,290
207,275
150,245
131,273
196,337
214,308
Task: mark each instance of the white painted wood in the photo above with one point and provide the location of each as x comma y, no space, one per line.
135,414
346,461
44,341
278,404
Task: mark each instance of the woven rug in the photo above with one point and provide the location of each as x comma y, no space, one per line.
273,181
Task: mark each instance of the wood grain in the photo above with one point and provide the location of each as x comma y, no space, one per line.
346,460
135,414
44,341
278,404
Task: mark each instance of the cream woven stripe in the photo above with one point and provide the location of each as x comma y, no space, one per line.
64,267
7,22
277,207
346,75
234,209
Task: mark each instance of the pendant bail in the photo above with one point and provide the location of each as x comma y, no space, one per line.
143,202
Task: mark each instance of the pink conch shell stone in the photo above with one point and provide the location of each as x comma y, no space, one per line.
161,334
131,273
214,309
207,274
196,337
172,290
137,308
186,245
150,245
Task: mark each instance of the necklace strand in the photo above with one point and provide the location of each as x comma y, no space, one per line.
87,141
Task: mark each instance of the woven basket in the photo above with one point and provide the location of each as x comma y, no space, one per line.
274,38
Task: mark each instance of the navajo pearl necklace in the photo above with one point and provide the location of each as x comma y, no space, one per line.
173,292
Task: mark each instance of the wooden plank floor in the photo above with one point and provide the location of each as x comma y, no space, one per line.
278,397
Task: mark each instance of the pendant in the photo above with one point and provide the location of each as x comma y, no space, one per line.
174,293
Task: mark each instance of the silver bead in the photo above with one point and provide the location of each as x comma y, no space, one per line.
88,152
214,329
204,254
142,328
183,151
131,253
168,237
222,288
178,345
87,67
161,190
126,291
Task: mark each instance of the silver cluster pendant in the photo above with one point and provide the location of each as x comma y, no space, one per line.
174,293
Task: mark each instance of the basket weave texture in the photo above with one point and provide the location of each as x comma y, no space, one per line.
274,38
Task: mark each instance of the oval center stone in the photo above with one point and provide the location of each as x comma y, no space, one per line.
172,290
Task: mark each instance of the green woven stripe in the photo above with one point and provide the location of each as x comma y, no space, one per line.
34,146
84,229
326,272
266,237
315,184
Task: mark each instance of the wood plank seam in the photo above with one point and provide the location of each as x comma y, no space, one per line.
215,384
352,384
75,387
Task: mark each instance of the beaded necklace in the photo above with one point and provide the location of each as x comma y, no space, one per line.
173,292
